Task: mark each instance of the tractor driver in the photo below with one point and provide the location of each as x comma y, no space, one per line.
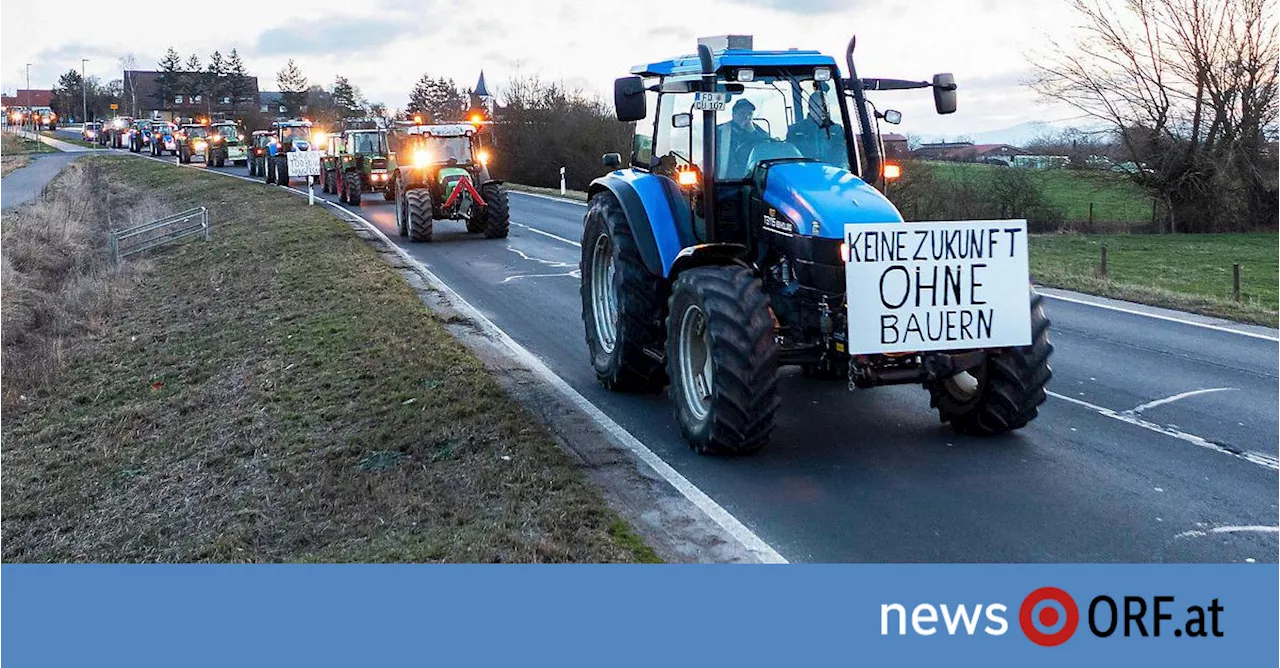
817,135
740,135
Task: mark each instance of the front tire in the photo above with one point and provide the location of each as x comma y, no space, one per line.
270,175
622,302
497,211
722,359
418,214
1004,393
282,171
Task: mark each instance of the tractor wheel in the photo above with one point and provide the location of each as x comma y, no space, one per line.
622,302
497,211
253,167
324,182
282,171
389,192
353,188
269,173
184,157
417,205
475,223
1004,393
722,359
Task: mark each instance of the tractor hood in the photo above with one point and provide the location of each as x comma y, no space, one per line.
806,192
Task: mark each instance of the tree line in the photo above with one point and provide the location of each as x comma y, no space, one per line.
1188,91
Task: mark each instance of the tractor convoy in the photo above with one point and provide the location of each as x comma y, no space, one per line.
745,230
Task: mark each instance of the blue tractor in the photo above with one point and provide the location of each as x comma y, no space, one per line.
715,257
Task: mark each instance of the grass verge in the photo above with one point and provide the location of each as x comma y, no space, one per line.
1189,272
1115,198
13,145
554,192
70,140
280,394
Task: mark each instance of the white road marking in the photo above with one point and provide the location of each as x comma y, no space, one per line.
1158,316
568,274
550,197
557,237
1261,459
732,525
1137,410
549,263
1230,529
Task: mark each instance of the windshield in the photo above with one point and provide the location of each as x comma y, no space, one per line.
295,132
780,116
230,132
196,131
367,142
445,148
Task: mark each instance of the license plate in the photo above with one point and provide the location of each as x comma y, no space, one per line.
710,101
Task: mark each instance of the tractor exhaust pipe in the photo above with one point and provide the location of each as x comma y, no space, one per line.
708,146
870,143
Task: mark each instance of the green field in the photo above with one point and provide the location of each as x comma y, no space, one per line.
1115,198
1185,271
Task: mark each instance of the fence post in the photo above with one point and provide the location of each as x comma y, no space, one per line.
1091,216
1102,269
115,247
204,221
562,192
1235,281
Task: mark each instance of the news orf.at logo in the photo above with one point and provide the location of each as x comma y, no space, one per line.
1048,616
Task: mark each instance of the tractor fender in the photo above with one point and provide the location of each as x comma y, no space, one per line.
657,213
703,255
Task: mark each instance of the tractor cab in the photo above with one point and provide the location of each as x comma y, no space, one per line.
291,135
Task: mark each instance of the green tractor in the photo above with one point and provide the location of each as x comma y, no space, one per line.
442,173
227,144
355,161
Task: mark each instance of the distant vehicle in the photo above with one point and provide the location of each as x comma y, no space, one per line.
114,134
193,139
227,144
44,118
258,144
442,173
287,136
163,138
90,131
355,161
139,135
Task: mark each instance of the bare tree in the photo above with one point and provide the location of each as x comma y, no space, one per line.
1190,89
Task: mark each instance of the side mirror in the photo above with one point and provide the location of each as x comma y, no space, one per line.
892,116
944,93
681,120
612,160
628,99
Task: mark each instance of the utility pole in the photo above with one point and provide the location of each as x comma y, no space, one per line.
84,94
29,114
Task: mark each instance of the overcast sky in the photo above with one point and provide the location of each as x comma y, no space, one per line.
383,46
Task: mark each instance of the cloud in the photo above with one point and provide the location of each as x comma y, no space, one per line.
347,36
800,6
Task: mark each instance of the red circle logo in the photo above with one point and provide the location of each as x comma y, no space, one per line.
1048,616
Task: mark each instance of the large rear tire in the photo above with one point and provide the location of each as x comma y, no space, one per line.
497,211
402,216
622,302
269,173
418,214
1004,393
282,170
353,188
722,358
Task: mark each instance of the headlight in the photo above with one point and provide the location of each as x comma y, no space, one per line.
200,143
421,157
482,156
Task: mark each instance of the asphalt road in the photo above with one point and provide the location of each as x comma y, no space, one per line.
1118,468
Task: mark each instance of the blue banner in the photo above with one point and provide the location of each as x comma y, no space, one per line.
902,615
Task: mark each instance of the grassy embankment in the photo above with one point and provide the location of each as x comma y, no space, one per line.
277,393
16,151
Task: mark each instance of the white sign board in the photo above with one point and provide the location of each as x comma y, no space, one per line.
914,287
304,163
709,101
